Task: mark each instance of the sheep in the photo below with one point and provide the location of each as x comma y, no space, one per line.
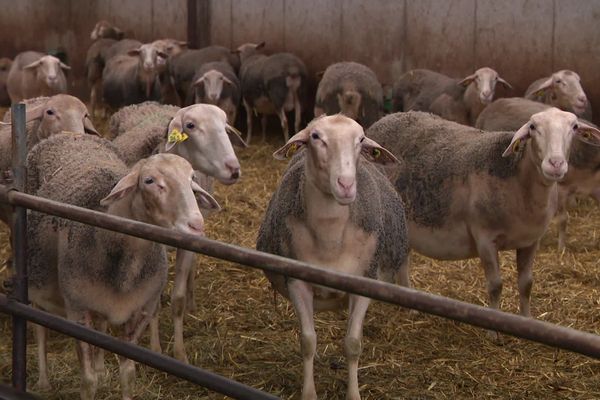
273,84
562,90
105,30
583,176
94,65
456,100
508,114
170,47
34,74
158,190
209,151
45,116
216,83
121,47
471,195
5,64
339,212
132,77
352,89
182,68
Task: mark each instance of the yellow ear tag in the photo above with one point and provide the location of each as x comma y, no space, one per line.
376,153
291,150
176,136
516,144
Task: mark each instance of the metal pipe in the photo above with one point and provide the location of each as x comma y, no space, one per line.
19,248
527,328
140,354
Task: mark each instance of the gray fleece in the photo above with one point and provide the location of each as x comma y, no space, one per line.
377,208
436,153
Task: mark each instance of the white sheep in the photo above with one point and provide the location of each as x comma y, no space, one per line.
563,90
583,176
34,74
335,209
471,195
125,274
200,134
457,100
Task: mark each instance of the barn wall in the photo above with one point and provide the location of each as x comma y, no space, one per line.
522,39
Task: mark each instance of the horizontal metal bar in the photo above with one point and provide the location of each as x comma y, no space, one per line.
527,328
161,362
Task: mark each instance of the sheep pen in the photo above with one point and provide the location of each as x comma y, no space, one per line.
243,331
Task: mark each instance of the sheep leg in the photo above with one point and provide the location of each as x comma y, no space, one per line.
525,258
99,367
488,255
248,121
190,298
353,342
183,265
41,336
154,332
297,113
89,379
263,126
562,217
284,124
404,273
94,98
301,296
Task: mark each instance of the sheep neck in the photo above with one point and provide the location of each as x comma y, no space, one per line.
128,207
537,189
325,217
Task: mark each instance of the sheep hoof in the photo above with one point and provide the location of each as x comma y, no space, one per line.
43,385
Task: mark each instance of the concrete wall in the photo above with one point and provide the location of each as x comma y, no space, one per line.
47,25
522,39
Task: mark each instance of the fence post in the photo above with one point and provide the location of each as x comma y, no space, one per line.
19,248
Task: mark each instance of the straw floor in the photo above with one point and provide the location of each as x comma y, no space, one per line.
242,331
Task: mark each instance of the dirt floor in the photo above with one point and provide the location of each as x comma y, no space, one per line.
239,330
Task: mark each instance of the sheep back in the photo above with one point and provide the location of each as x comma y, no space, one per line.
436,154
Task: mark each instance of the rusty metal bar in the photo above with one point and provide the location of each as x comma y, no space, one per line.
19,248
527,328
140,354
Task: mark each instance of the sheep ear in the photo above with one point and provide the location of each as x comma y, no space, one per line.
174,132
204,199
199,81
134,52
182,43
122,188
33,64
518,137
235,136
588,134
505,83
65,66
372,151
467,81
118,33
162,54
260,45
88,127
226,79
292,146
540,90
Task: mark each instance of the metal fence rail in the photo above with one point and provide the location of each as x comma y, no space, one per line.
516,325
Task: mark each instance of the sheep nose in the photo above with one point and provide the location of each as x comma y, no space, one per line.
556,162
582,99
345,183
234,168
148,66
197,225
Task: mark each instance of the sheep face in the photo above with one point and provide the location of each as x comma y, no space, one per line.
551,132
485,80
62,113
566,88
334,145
213,86
200,134
48,70
164,193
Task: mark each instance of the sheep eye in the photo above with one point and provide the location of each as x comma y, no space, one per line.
575,127
532,127
362,139
50,112
149,181
190,125
558,81
314,135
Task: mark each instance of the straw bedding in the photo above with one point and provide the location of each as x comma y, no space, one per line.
241,330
